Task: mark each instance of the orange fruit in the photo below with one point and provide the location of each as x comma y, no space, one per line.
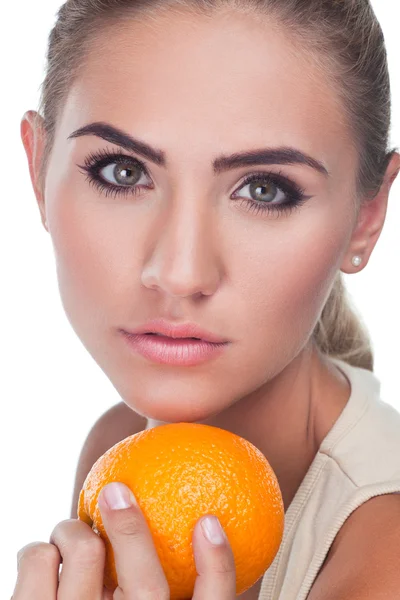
180,472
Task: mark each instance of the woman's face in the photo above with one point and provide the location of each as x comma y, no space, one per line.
193,244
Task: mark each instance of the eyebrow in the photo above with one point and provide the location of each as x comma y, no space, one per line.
282,155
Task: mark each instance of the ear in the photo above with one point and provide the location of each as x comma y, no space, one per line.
33,139
370,221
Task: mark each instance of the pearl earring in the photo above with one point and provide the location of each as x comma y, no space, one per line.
356,260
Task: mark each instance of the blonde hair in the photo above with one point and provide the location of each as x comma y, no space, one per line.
340,331
343,36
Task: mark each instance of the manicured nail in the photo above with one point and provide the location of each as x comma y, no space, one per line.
213,531
118,496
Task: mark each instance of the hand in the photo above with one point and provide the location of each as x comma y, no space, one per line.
140,574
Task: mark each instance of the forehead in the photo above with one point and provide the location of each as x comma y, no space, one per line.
230,82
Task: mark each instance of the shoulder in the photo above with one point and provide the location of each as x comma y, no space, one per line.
117,423
363,562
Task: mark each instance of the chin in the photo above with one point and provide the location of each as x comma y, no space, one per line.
186,411
169,396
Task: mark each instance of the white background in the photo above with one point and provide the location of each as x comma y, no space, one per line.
52,391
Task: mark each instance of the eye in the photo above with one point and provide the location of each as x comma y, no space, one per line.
271,193
122,173
115,174
263,190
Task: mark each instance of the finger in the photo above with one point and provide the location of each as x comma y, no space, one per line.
83,557
215,565
107,594
139,570
38,566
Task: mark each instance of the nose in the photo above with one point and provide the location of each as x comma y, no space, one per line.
184,260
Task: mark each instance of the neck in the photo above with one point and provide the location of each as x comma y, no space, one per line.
289,416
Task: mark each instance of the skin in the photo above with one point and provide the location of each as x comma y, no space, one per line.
187,251
140,574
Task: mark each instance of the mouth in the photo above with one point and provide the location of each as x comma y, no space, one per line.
171,338
162,329
182,351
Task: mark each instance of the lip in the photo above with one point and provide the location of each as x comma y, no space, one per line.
170,351
171,330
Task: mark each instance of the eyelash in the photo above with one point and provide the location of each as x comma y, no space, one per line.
96,161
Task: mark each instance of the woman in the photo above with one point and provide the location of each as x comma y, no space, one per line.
208,169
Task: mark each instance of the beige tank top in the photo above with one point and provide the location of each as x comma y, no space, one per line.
358,459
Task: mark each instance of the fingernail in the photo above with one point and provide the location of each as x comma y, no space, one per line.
212,530
118,496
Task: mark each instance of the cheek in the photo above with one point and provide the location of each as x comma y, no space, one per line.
285,274
93,266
